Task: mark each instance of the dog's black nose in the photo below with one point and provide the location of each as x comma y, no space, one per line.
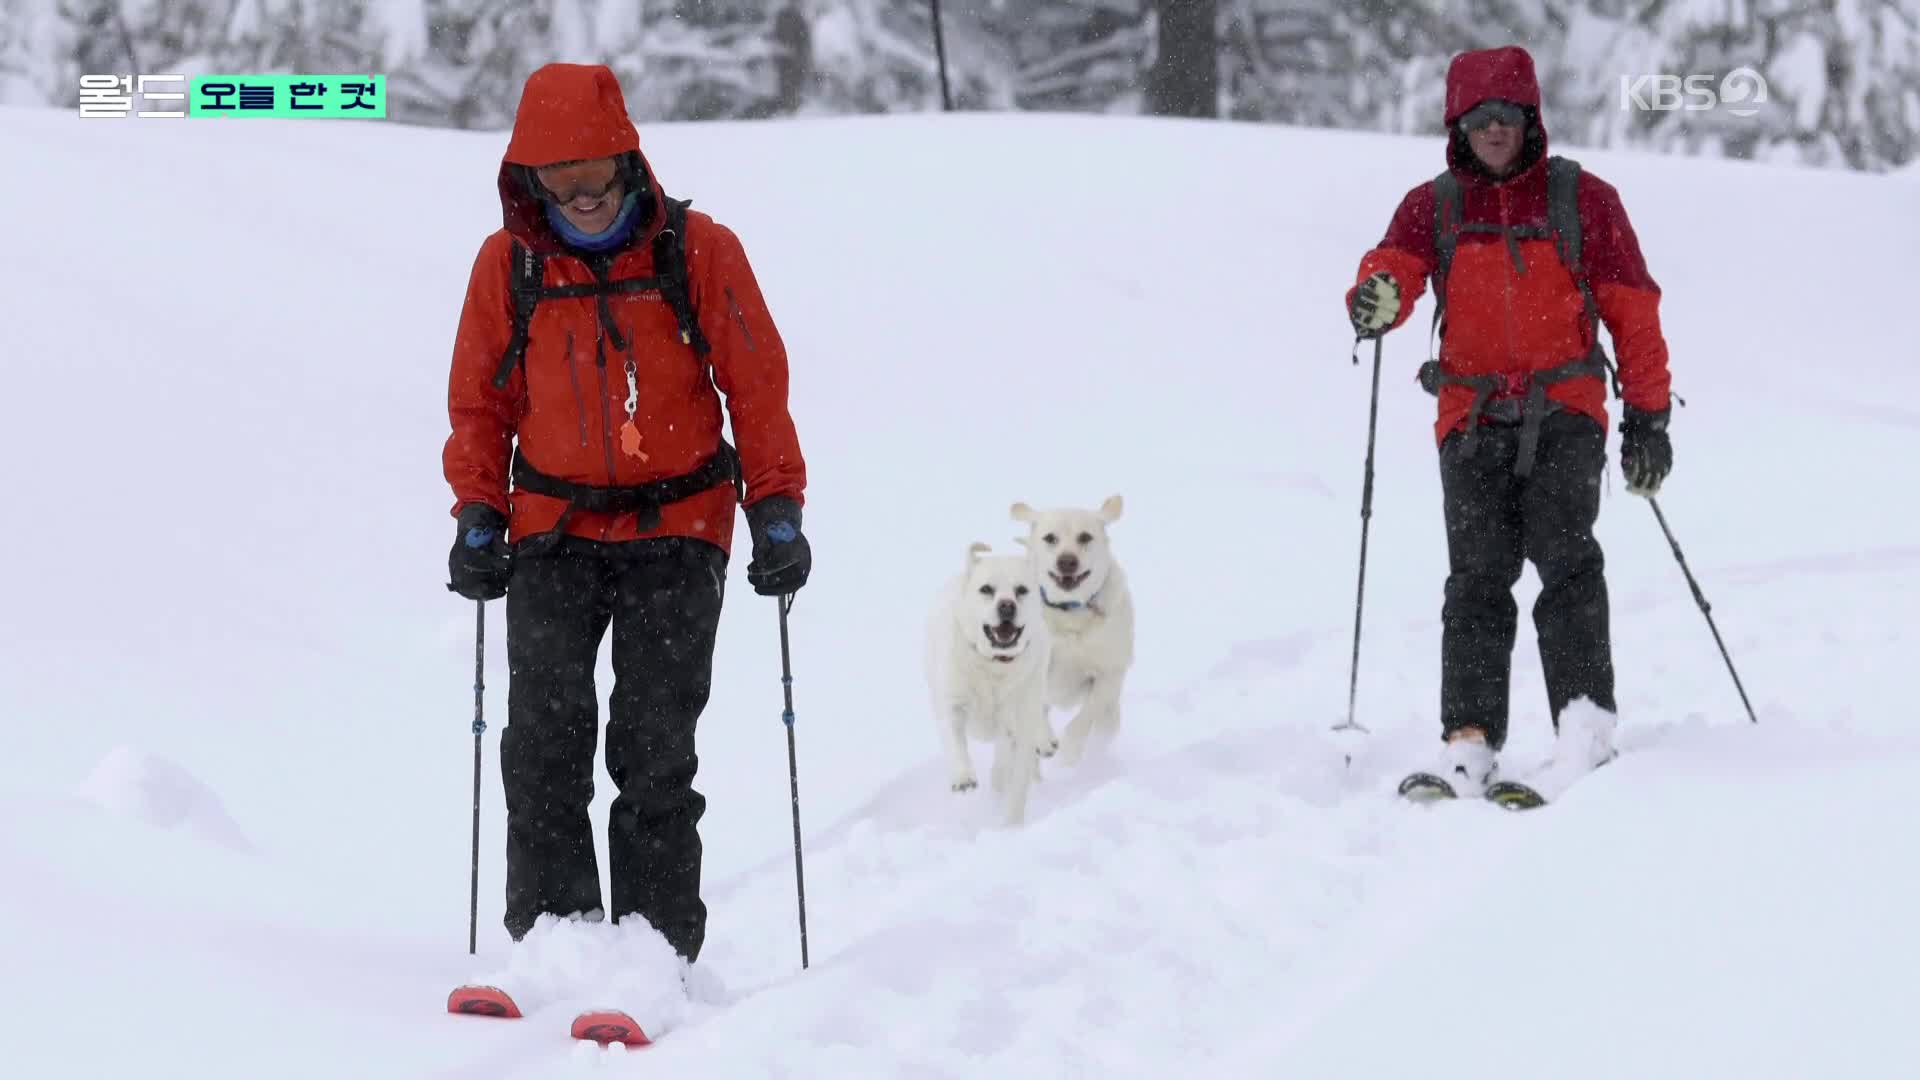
1069,564
1006,610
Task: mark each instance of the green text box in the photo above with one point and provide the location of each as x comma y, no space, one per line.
330,97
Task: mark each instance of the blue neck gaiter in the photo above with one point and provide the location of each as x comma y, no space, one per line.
612,237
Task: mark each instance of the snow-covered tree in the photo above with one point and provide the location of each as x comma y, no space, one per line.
1078,55
38,58
1371,64
1184,79
1841,77
878,56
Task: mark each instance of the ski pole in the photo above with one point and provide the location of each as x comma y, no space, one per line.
1366,519
479,725
793,771
1705,608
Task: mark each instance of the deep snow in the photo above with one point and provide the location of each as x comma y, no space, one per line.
237,696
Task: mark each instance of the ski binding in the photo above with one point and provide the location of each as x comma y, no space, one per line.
1425,787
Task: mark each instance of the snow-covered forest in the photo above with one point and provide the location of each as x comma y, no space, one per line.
1821,82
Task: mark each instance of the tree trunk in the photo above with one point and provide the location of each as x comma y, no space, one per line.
1185,80
794,65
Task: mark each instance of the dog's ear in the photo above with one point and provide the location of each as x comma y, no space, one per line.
975,550
1022,512
1023,542
1110,510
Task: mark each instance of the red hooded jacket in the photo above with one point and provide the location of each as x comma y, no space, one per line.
566,403
1501,319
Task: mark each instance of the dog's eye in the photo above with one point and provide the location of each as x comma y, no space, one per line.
1085,539
1051,539
1019,590
986,590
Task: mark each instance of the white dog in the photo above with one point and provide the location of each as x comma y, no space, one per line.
986,672
1086,604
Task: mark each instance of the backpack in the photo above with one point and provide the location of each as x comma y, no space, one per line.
528,287
1563,227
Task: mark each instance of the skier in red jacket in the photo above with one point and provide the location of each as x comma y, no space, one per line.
605,416
1522,416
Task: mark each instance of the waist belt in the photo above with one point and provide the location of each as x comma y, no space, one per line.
644,501
1533,384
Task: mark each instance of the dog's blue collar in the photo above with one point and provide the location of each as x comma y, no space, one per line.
1091,603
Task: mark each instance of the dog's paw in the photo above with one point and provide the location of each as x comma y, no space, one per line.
1049,748
965,783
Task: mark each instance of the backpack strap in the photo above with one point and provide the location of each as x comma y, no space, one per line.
1563,225
1535,405
1563,216
527,275
1448,215
1563,210
1446,228
527,287
644,501
670,270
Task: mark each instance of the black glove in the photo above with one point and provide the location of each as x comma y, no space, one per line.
1376,304
1646,454
481,563
781,558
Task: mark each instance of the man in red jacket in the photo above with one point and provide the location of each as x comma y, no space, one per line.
1521,382
597,325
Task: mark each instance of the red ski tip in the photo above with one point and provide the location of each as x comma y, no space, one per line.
481,1001
609,1026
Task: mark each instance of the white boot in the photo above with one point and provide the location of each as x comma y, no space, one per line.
1584,743
1467,765
701,984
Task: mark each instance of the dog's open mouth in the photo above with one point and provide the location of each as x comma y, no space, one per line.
1003,636
1069,582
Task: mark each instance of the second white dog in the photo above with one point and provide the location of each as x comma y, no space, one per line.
1087,605
987,651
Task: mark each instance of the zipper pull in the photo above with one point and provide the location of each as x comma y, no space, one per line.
629,431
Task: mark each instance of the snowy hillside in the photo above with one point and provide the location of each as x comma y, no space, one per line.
235,792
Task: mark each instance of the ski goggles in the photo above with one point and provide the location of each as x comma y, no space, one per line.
1488,113
572,180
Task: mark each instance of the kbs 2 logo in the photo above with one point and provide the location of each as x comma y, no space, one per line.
1741,92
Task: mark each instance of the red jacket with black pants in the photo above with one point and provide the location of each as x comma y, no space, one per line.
600,457
1516,325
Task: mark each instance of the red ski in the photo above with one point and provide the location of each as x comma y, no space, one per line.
609,1026
482,1001
603,1026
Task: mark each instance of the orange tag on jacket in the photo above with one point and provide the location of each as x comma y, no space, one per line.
630,441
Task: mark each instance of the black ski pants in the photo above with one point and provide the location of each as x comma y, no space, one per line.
662,599
1495,521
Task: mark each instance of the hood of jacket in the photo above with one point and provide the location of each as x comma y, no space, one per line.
1507,74
570,112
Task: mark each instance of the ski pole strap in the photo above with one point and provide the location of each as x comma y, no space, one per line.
1528,386
644,501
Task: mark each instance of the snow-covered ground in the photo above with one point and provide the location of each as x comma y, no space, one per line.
235,783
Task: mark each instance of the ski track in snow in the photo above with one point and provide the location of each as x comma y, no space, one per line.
1215,884
1210,899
